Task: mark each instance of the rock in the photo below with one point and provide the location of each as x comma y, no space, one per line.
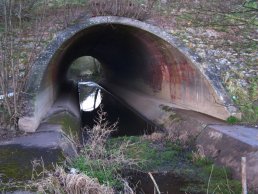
28,124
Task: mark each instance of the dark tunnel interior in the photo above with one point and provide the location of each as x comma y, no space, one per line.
120,50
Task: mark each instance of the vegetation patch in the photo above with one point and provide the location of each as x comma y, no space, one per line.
103,160
106,159
199,174
232,120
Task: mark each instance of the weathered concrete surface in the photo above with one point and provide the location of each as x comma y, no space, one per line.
16,155
227,144
135,55
178,121
67,102
53,142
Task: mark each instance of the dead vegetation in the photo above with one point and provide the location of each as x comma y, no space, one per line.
25,29
137,9
95,171
63,182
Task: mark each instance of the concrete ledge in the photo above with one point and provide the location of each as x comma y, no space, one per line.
16,155
227,144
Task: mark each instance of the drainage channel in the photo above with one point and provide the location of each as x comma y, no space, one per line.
92,98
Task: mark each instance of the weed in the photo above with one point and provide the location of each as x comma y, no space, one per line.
105,174
98,159
190,164
63,182
136,9
232,120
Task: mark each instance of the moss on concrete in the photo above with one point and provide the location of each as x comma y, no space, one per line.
70,124
16,161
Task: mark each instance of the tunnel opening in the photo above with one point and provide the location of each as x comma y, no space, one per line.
85,68
105,55
86,72
135,59
119,50
141,64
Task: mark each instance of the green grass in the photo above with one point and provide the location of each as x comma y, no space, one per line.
246,101
232,120
215,179
149,155
161,156
106,174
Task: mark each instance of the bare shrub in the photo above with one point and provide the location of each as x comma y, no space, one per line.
95,145
15,56
97,136
22,9
95,162
213,12
137,9
25,28
66,12
198,154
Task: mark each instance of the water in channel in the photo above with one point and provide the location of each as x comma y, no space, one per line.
92,96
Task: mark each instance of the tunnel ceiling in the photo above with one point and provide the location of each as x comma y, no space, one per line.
134,55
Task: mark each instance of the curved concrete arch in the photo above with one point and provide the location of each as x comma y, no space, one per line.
140,61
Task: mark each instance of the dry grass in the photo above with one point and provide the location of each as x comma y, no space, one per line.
97,136
80,183
198,154
137,9
95,144
98,159
155,137
62,182
95,171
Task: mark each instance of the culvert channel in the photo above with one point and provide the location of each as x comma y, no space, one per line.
95,99
143,65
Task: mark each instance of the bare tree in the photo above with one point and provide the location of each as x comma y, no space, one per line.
24,24
13,69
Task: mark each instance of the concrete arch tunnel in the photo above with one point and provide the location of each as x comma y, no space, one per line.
143,65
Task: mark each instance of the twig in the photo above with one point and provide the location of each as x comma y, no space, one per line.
212,167
154,182
243,167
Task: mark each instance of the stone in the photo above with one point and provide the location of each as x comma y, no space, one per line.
28,124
